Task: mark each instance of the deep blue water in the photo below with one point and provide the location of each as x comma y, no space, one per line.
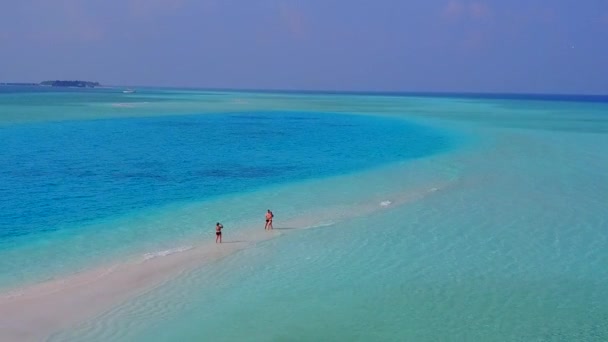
63,174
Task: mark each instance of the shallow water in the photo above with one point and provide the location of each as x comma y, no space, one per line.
513,255
502,238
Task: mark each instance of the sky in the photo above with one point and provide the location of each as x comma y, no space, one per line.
504,46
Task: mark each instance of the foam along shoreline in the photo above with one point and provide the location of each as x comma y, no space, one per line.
33,313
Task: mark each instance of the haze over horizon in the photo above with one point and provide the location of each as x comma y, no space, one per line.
334,45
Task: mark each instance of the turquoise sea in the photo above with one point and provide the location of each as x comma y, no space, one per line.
400,217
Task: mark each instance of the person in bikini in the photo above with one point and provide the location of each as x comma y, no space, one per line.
269,216
218,232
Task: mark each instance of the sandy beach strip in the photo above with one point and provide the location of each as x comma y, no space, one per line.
33,313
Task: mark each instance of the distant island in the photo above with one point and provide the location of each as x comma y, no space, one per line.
80,84
56,83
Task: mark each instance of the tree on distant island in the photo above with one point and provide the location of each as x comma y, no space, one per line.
81,84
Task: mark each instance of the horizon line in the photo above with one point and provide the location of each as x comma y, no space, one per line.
328,91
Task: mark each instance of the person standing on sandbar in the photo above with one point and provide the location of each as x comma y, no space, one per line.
218,232
269,216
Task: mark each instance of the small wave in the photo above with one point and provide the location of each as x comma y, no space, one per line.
385,203
123,105
13,294
149,256
322,224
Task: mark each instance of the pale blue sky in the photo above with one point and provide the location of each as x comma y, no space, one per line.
558,46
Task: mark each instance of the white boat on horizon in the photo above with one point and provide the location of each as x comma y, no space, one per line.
128,91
